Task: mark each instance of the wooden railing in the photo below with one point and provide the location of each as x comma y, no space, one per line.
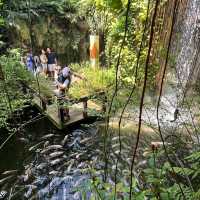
62,102
63,111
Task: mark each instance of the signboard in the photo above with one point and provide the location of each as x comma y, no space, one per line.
94,50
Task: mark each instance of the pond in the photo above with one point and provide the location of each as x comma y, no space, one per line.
41,162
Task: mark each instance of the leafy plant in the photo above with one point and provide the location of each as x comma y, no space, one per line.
12,96
95,79
156,180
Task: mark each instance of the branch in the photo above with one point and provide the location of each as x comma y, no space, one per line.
23,125
131,94
116,85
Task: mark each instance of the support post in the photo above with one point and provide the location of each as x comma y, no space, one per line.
66,114
63,112
85,107
105,100
44,105
61,115
94,50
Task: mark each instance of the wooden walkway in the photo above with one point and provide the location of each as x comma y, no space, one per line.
75,112
57,109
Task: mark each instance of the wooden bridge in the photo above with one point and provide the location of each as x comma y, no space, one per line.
65,111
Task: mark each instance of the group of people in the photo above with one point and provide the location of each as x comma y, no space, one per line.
46,63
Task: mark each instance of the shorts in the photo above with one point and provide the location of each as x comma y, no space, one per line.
66,83
51,67
44,67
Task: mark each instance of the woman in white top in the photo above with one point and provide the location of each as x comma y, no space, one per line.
44,60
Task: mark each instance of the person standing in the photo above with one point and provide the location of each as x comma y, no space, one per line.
57,70
52,62
30,62
44,60
37,63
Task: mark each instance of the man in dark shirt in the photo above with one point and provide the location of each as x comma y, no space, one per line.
52,62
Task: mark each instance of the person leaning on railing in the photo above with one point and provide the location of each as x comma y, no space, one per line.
63,81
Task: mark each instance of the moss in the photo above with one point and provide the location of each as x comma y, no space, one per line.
65,38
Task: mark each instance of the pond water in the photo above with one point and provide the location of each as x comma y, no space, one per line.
42,162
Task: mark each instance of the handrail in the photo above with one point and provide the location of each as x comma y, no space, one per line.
66,99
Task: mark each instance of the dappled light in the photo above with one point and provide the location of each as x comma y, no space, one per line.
99,100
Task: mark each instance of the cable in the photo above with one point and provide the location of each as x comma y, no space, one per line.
116,88
143,93
131,94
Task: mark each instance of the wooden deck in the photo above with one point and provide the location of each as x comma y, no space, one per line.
75,112
58,108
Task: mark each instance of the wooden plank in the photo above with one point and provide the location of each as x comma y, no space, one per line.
93,105
36,102
52,113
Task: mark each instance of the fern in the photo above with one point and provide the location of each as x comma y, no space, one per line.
183,171
194,156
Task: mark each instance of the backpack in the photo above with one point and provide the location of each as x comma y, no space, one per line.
61,78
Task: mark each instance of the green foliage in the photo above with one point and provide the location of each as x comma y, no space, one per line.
162,179
156,180
1,23
52,23
95,79
192,169
101,190
12,96
13,68
1,17
136,19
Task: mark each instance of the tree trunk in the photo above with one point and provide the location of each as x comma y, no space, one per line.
102,54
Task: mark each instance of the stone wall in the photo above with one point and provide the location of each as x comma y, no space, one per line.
69,40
